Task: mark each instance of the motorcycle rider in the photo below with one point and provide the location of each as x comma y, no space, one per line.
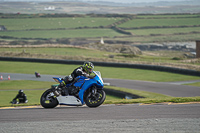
21,96
84,70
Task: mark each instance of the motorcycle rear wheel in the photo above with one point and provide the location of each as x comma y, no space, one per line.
48,102
95,100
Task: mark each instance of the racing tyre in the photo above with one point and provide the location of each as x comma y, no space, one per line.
48,101
95,100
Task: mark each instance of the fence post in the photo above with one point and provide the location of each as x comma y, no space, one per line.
198,49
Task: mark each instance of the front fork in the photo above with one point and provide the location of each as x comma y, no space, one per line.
93,91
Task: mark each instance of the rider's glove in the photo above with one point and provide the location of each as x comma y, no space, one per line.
85,74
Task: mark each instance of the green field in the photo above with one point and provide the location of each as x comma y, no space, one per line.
55,23
62,33
168,16
107,72
72,51
80,53
161,22
92,28
166,31
34,29
160,39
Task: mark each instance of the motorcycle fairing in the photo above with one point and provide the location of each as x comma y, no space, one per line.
58,79
69,100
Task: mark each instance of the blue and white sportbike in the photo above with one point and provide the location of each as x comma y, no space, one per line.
84,90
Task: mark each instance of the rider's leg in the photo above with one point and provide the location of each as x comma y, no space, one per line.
62,85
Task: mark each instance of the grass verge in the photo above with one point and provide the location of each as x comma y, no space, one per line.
194,84
106,72
34,89
149,97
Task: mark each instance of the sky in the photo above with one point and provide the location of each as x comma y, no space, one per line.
132,1
119,1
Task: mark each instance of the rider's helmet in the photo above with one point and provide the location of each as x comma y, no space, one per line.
21,91
88,67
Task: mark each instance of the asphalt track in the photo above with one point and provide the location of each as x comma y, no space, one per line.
159,118
140,118
174,89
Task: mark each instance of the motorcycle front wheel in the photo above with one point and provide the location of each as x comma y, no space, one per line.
95,100
48,101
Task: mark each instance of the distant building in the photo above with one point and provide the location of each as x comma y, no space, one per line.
50,8
2,28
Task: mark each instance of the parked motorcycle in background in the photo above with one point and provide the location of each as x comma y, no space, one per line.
84,90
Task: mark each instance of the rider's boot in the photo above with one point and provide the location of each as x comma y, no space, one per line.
62,87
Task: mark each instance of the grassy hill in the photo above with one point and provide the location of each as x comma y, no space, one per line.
62,30
123,28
